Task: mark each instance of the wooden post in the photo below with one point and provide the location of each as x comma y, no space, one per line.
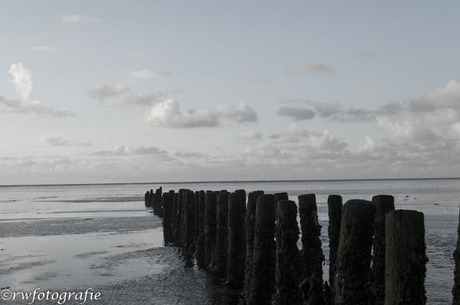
178,217
351,283
382,204
187,229
334,203
200,248
210,205
264,252
236,241
456,288
147,199
312,254
167,217
220,259
249,226
287,254
405,258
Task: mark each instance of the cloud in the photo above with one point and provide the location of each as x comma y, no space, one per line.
306,109
441,106
78,19
120,95
243,113
124,150
313,68
297,113
190,155
251,136
21,78
169,114
42,49
406,131
146,74
58,140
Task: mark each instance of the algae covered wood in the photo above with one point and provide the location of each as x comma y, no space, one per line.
236,240
351,283
312,253
288,269
405,258
382,204
263,282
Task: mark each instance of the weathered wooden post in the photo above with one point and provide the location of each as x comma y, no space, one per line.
249,226
334,203
405,258
178,216
312,254
220,260
167,217
210,205
264,252
200,249
287,254
157,202
147,199
351,283
382,204
280,196
187,229
456,288
236,241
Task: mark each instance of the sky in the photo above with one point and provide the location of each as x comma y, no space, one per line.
95,91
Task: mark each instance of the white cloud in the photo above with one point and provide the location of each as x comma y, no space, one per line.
78,19
146,74
120,95
243,113
42,49
21,78
169,114
441,106
405,131
312,68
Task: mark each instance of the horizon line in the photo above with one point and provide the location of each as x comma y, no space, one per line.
228,181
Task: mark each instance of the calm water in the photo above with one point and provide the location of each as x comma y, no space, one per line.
68,238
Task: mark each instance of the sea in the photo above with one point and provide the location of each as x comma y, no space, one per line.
100,239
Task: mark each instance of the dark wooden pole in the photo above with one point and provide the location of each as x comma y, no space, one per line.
405,258
220,259
334,203
383,204
210,218
312,254
236,241
288,269
249,226
167,217
351,283
263,283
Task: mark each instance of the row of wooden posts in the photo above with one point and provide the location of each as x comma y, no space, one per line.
376,253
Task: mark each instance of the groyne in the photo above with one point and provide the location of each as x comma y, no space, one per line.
266,249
